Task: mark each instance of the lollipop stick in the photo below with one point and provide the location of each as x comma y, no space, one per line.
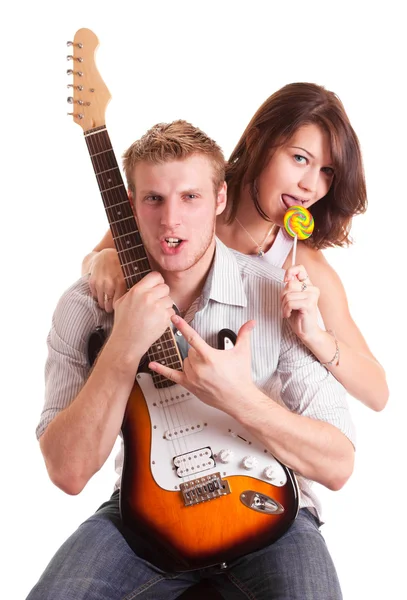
294,250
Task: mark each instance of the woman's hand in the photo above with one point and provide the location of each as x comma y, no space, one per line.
300,303
106,279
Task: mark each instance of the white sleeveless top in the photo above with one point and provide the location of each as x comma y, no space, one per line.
280,249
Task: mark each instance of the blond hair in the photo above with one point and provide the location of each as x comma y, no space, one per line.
178,140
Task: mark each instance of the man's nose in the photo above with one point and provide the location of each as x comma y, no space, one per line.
171,214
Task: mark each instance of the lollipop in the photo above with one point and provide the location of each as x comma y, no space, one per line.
298,223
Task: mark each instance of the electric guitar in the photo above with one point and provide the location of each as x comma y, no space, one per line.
201,488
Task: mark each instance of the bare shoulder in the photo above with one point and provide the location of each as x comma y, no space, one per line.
322,274
333,302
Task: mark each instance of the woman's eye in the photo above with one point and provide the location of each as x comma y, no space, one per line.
300,159
328,171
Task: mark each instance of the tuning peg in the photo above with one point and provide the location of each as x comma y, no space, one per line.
79,44
70,57
76,87
70,100
79,115
78,73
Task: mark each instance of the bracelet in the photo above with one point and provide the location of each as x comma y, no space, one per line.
336,356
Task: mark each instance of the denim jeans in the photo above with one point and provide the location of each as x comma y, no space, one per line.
103,561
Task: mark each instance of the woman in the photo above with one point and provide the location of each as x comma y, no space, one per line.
298,149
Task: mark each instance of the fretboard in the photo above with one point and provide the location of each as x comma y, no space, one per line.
126,236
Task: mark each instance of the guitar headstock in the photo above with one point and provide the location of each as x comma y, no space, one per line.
90,95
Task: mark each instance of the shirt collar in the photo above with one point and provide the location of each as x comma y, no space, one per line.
224,282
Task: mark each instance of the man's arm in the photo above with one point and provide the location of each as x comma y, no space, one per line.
78,439
314,441
315,436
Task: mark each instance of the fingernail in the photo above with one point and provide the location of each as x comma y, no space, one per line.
175,319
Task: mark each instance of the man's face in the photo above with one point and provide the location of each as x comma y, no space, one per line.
176,207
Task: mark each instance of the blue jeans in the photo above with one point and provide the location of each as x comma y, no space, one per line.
104,561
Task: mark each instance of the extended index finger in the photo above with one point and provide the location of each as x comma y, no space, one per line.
191,336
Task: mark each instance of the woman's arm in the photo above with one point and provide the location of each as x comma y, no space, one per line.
106,279
358,370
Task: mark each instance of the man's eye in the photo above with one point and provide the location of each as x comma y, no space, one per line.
300,159
153,198
190,196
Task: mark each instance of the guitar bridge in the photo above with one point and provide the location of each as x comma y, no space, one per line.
204,489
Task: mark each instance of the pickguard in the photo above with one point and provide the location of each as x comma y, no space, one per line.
189,434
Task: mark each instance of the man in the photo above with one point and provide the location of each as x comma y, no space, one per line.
175,175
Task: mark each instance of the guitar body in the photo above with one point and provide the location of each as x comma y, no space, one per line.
167,431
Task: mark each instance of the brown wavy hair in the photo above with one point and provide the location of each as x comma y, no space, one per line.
274,123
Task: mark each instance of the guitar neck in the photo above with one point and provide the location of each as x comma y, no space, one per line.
129,245
126,236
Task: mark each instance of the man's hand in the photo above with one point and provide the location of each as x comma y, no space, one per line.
217,377
141,316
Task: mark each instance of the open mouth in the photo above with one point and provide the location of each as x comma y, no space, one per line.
290,201
173,242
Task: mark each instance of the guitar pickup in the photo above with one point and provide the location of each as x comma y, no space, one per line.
194,462
182,431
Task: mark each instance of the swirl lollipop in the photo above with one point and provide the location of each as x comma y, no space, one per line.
299,223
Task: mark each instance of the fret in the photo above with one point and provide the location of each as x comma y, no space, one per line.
133,257
112,188
117,237
160,355
118,210
138,246
109,171
162,382
132,261
112,178
136,276
102,152
103,161
121,220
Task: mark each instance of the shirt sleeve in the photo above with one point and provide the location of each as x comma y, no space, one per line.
67,367
308,388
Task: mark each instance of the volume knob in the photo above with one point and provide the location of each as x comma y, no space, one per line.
269,473
225,455
249,462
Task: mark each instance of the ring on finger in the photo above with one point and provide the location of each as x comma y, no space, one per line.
303,286
107,298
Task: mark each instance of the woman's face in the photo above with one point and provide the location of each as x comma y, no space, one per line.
299,173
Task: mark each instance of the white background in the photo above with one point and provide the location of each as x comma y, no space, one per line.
212,63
